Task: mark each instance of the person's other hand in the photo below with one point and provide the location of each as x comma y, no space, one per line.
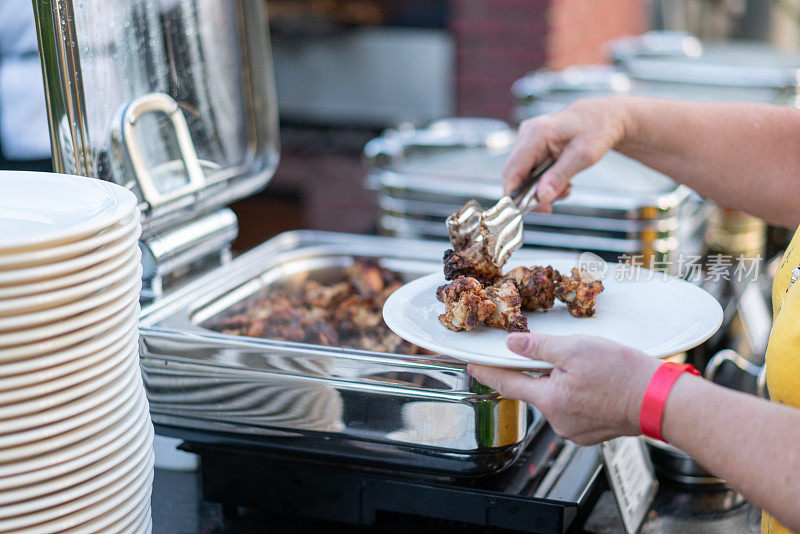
576,138
594,392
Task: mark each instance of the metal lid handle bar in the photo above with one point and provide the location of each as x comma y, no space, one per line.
161,103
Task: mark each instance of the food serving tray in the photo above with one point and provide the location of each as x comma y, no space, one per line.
409,412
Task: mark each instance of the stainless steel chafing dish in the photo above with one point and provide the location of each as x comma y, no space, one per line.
423,413
667,65
617,207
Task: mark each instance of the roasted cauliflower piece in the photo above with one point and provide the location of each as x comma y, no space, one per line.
507,314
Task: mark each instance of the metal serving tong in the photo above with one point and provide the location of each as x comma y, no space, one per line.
499,228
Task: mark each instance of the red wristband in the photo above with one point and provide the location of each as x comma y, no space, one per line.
656,395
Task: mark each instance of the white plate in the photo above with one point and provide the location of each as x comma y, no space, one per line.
29,258
135,485
64,267
29,311
82,503
23,500
92,333
46,439
147,527
40,209
63,459
11,429
24,337
68,295
119,284
129,516
144,522
116,495
658,315
68,366
117,438
50,299
63,389
44,287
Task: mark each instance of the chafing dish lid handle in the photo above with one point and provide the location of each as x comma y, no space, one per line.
166,105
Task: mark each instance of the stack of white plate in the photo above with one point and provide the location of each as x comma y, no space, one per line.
76,439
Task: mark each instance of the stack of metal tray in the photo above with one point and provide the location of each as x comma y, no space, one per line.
422,413
617,208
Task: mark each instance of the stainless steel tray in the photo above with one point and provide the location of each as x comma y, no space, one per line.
423,413
408,205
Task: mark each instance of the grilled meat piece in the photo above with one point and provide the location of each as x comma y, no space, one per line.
507,314
367,277
467,304
579,292
317,295
357,314
537,286
471,262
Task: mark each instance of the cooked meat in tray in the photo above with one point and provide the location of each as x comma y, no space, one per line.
344,313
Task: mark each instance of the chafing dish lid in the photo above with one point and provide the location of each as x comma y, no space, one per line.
571,82
451,133
660,44
174,100
677,57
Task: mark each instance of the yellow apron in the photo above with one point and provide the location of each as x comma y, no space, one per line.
783,351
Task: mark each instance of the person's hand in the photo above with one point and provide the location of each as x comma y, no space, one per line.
594,393
576,138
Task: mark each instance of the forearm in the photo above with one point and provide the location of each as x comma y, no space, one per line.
751,443
742,156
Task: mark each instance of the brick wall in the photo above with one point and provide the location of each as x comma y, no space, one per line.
498,41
